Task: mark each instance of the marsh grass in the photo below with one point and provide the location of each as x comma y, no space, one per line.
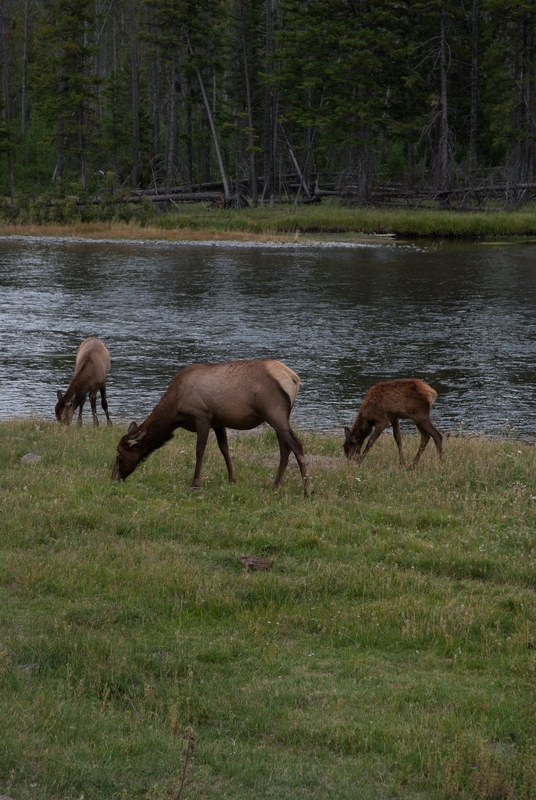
285,224
388,653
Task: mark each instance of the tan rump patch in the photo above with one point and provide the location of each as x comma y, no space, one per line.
432,395
285,377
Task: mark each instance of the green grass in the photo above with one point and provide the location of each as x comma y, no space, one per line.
387,654
331,218
335,218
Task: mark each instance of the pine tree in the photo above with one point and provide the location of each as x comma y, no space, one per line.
335,75
69,81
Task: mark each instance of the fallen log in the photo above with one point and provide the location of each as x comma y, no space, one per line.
184,197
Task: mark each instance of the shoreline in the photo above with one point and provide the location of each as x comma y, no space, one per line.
192,239
274,244
329,224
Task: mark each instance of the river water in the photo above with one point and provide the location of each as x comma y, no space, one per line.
461,317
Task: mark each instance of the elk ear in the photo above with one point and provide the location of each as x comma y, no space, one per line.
347,432
60,395
132,427
136,439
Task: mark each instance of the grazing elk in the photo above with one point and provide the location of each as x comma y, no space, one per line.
385,404
234,394
91,368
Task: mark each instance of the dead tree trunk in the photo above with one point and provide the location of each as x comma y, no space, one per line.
226,192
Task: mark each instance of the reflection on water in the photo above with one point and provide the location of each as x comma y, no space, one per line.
462,317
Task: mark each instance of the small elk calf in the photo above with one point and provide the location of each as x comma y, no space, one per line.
385,404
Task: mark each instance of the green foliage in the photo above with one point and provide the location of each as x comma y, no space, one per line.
358,86
336,60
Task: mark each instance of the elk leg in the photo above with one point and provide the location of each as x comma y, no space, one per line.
427,430
284,453
425,436
288,439
438,440
398,440
379,428
79,420
93,404
104,404
221,436
202,427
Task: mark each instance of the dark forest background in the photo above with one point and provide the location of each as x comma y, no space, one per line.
263,100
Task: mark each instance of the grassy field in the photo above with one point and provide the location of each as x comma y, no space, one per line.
283,223
389,653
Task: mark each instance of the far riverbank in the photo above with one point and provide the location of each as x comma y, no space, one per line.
325,223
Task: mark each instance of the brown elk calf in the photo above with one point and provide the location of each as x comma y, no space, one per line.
235,394
91,368
385,404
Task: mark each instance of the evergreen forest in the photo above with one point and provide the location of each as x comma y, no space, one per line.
262,101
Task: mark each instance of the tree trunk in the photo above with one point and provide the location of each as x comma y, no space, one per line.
154,111
60,151
410,174
135,99
24,90
363,164
444,159
6,110
515,160
82,154
308,144
226,192
530,98
205,149
473,156
172,125
251,130
189,138
210,118
270,109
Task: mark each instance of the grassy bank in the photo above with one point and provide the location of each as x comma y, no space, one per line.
388,653
330,218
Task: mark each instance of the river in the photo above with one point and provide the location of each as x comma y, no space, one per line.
459,316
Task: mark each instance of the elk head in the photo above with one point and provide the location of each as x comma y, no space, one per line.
129,452
64,409
354,438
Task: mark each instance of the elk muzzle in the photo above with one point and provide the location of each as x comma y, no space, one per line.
116,475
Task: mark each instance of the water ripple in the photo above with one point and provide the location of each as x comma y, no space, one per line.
461,317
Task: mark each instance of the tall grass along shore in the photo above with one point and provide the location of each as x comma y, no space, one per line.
390,652
329,219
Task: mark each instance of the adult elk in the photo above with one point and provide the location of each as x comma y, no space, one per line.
91,368
385,404
234,394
